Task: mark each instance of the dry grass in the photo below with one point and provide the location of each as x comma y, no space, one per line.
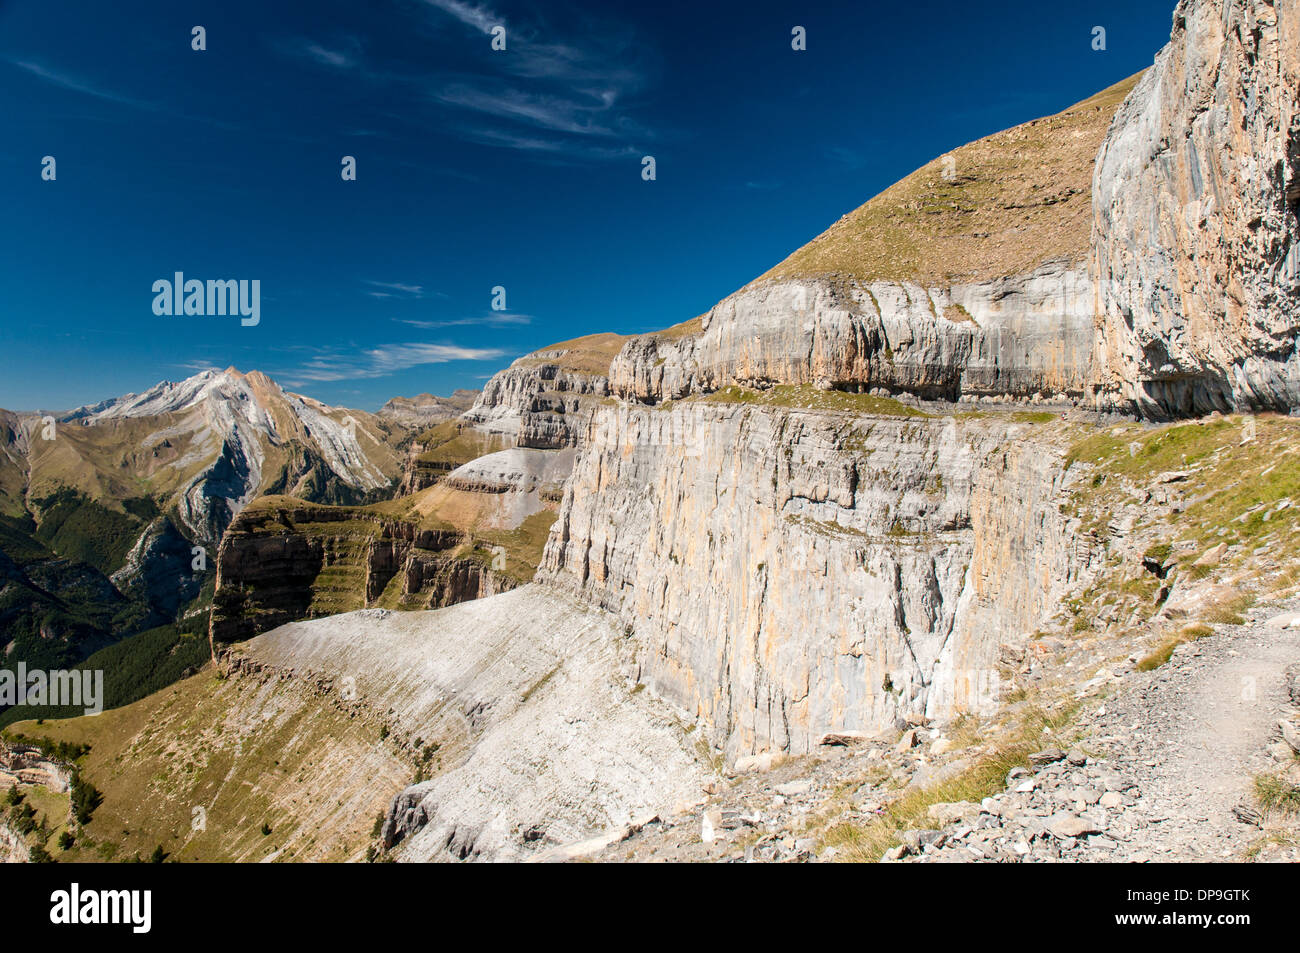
679,331
858,843
245,752
1165,651
585,355
1013,200
1276,794
807,397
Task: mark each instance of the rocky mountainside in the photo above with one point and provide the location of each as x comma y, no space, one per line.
1160,278
101,508
541,399
215,441
867,537
779,565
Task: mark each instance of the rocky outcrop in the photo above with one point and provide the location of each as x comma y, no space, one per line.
424,410
787,573
979,279
282,564
1196,194
1027,336
541,404
160,569
25,764
544,398
13,846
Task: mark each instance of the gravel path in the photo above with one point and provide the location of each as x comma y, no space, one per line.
1193,734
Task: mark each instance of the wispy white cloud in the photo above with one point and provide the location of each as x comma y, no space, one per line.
471,14
328,57
553,147
333,365
79,85
494,319
575,93
394,289
555,113
849,158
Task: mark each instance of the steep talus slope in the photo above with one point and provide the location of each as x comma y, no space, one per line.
968,278
541,734
792,570
1196,197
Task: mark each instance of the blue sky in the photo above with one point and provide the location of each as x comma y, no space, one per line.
475,168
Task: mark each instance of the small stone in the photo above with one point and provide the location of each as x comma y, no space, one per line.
1047,756
1077,758
910,739
1111,800
1248,815
709,825
1281,751
932,838
756,762
1212,556
795,788
1065,826
844,738
949,813
1290,735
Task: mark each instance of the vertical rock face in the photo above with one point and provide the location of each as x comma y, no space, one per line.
1025,336
278,565
531,402
784,572
542,399
1195,195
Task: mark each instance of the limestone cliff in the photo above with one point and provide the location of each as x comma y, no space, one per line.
540,400
1136,252
786,571
1196,195
1024,336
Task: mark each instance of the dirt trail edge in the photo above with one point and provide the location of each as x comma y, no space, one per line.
1193,734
